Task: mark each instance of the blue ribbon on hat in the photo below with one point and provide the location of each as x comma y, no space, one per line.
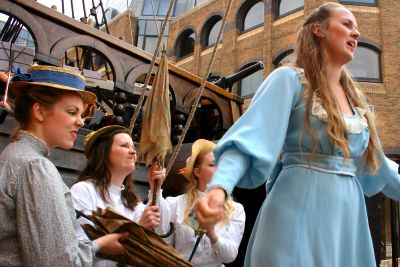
20,75
49,76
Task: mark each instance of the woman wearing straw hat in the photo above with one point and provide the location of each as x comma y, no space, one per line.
222,242
36,210
106,181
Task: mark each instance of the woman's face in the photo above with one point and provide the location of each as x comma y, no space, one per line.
340,38
62,121
205,170
122,154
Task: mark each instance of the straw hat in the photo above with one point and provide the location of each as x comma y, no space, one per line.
199,146
91,138
53,77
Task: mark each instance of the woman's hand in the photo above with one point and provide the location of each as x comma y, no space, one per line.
210,208
110,245
150,217
5,105
153,174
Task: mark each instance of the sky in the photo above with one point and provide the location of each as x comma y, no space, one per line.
78,9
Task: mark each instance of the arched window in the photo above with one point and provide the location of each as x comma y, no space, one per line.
285,58
213,34
366,65
249,85
359,2
289,6
209,33
185,44
250,15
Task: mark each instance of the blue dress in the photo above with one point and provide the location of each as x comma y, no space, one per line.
314,214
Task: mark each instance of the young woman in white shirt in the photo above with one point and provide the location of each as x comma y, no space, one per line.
106,181
221,242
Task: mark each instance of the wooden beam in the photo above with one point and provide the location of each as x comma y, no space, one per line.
121,45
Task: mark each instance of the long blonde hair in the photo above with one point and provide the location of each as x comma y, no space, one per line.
310,57
192,194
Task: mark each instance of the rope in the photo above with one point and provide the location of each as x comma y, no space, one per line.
146,83
197,100
129,18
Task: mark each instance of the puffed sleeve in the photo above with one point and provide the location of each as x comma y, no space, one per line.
386,180
46,222
248,151
170,214
227,245
84,201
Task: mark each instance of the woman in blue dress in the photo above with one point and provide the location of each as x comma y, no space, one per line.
314,116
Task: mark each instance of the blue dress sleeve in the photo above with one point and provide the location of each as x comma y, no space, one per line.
386,180
248,151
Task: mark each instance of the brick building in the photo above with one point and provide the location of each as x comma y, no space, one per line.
266,30
270,38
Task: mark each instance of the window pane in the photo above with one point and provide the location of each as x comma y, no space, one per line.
365,64
141,24
163,8
187,46
140,42
287,6
213,35
150,44
151,28
254,17
166,28
249,85
199,2
148,9
181,6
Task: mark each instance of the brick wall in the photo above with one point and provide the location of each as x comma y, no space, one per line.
378,25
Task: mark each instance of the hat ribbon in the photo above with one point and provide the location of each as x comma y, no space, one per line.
21,75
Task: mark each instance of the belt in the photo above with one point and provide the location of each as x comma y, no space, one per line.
320,162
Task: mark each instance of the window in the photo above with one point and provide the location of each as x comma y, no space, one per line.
198,2
366,64
249,85
182,6
148,34
252,16
209,33
359,2
288,6
160,7
285,58
213,35
185,44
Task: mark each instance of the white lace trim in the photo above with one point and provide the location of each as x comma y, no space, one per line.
355,124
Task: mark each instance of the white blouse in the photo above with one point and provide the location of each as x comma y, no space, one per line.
224,250
87,198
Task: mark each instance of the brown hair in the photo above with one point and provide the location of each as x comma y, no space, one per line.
311,58
25,99
98,169
192,196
